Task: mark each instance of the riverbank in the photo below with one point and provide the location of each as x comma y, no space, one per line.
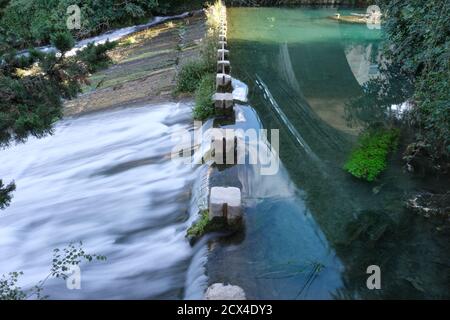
144,69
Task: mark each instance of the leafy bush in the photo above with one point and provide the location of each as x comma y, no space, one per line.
62,262
190,76
204,106
177,6
35,21
432,116
418,40
63,41
369,159
198,76
5,194
95,56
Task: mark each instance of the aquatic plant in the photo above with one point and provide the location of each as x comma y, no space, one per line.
200,226
206,225
369,159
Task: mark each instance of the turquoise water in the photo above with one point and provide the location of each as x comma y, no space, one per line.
315,238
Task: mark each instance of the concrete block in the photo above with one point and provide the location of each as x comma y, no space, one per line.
225,148
222,54
223,66
223,80
223,100
223,45
225,203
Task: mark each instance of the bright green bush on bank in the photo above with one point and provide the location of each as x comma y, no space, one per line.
198,76
204,105
190,75
369,159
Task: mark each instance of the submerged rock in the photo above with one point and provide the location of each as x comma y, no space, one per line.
220,291
429,204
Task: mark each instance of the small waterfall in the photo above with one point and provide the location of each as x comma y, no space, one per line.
107,179
196,279
240,90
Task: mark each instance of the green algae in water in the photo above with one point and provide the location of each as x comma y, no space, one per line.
369,159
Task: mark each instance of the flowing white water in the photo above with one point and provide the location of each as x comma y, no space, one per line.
106,179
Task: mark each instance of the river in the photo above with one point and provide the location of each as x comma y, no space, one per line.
108,179
317,241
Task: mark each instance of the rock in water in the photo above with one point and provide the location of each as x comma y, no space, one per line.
429,204
220,291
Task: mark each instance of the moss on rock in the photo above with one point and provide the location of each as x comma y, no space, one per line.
206,225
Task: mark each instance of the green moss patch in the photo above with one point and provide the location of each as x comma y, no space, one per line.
369,159
205,225
199,228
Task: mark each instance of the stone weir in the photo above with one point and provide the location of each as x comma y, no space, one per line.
224,212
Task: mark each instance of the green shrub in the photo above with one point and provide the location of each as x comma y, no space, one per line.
63,41
192,73
190,76
417,39
369,159
204,106
5,194
96,56
35,21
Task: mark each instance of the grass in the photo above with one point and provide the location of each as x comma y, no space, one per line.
190,76
369,159
128,41
198,76
204,105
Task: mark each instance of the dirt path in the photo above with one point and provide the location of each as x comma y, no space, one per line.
145,67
